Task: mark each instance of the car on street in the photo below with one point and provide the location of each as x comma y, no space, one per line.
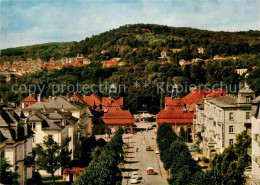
133,180
135,175
150,171
148,148
193,148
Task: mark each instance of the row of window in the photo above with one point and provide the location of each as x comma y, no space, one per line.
231,116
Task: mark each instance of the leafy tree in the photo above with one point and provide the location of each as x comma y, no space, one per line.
182,134
6,175
51,156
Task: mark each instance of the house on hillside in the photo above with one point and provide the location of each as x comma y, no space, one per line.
216,57
201,50
163,53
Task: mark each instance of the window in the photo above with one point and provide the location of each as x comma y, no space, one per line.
248,99
231,141
231,129
15,154
32,125
247,115
231,116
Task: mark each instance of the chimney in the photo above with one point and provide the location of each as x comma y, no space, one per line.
2,100
39,97
84,96
109,100
53,98
50,98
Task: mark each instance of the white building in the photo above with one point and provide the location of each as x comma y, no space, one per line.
256,141
220,119
201,50
15,141
61,117
241,71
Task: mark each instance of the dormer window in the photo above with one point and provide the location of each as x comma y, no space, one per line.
117,108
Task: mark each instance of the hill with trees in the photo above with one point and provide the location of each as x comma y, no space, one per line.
139,46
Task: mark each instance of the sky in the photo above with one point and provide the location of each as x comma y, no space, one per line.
28,22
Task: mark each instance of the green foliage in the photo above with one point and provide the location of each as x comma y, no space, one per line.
6,175
228,167
103,169
51,156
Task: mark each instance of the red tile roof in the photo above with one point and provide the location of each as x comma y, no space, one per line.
30,99
73,170
174,113
164,50
93,98
118,117
78,97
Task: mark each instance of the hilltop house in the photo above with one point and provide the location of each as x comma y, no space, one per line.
163,54
111,63
15,141
220,119
201,50
179,112
216,57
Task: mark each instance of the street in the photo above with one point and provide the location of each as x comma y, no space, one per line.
139,161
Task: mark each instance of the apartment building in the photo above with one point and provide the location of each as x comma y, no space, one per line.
256,141
15,141
220,119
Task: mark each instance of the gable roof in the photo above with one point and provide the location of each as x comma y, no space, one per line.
29,98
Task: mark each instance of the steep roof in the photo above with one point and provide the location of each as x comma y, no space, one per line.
29,98
93,99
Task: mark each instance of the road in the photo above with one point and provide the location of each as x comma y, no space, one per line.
139,161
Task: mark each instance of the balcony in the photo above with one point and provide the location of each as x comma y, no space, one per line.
255,179
256,137
256,158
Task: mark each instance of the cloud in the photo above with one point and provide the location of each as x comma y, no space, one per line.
26,22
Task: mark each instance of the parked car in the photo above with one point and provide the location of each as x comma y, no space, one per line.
157,152
148,148
135,175
150,171
133,180
193,148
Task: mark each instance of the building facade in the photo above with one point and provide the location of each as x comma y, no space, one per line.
256,141
16,141
219,120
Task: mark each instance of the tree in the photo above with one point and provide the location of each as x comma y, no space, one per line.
182,134
6,175
103,169
51,156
